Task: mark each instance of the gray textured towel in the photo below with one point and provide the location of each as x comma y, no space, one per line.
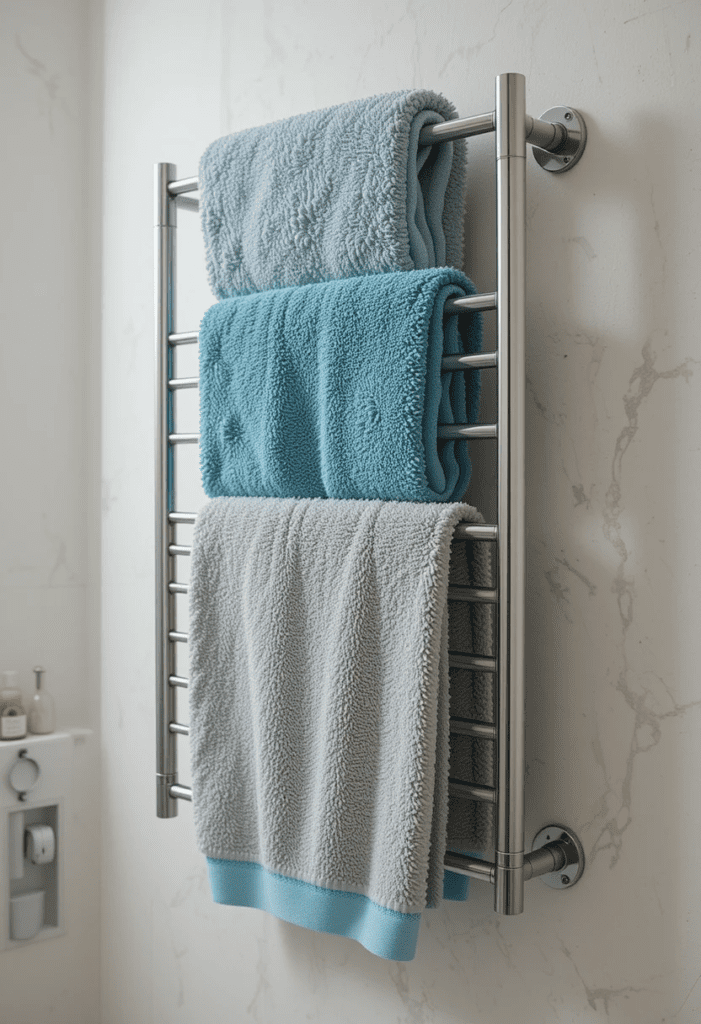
319,697
340,192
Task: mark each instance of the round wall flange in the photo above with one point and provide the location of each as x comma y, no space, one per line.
567,876
568,155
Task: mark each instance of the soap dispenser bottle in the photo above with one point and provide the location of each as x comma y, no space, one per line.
13,718
42,713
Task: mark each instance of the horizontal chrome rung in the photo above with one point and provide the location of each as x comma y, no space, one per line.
467,303
473,867
459,128
187,203
176,188
471,791
183,438
473,594
444,131
546,859
177,588
179,792
538,133
542,134
475,531
455,431
463,661
545,134
179,728
469,727
178,681
480,361
463,531
549,858
189,338
472,661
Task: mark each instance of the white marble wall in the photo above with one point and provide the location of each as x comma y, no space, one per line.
613,466
49,555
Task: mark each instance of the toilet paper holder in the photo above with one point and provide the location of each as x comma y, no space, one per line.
24,774
39,844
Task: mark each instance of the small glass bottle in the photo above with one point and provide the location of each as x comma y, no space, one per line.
42,712
13,718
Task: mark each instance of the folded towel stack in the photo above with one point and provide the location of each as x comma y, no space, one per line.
341,192
319,710
319,701
335,390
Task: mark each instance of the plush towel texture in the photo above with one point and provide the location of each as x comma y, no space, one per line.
319,710
335,390
333,193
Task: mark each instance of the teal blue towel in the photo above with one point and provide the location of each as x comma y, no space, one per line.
335,390
334,193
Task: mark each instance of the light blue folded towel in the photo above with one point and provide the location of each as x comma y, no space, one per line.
319,711
333,193
335,390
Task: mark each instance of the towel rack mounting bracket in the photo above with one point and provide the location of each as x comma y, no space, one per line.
568,153
566,877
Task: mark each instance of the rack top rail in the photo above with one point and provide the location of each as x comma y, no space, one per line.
565,138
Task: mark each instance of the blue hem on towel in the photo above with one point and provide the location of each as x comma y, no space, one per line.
386,933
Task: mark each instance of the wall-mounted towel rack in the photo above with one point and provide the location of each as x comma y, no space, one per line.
560,138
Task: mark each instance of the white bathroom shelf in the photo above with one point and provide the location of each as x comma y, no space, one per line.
44,803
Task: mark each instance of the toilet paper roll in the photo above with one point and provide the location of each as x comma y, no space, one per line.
39,844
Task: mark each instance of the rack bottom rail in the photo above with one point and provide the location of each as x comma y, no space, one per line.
561,857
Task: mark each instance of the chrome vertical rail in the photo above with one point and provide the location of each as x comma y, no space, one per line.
511,330
166,750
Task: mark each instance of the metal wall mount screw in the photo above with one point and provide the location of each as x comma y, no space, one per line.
575,856
564,158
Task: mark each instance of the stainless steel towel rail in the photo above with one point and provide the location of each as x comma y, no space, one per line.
560,136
